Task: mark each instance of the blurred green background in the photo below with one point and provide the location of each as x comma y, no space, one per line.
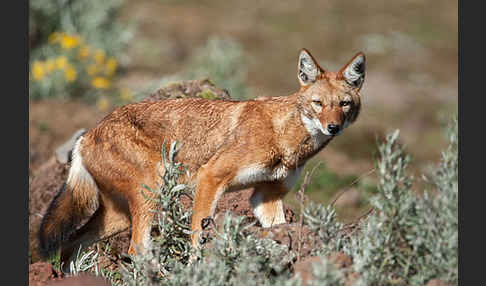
89,56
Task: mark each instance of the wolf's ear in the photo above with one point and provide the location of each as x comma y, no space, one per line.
308,69
354,71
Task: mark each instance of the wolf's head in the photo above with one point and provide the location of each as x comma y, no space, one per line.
329,101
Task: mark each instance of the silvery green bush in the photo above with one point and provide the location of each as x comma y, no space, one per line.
323,221
410,239
173,222
325,274
237,257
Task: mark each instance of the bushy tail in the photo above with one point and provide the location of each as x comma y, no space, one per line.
77,200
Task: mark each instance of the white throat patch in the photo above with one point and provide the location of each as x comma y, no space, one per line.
314,127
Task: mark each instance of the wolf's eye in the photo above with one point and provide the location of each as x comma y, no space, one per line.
344,103
317,102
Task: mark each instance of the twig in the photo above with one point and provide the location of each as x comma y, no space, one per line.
301,199
187,195
290,240
353,225
301,220
365,214
338,195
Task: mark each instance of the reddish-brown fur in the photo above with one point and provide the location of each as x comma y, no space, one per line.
226,145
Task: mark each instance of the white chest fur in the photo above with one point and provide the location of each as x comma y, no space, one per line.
257,173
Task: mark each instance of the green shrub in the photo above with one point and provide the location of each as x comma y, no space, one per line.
173,245
409,239
325,274
323,221
97,22
236,257
76,49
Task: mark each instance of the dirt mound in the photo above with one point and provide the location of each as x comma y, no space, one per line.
202,88
42,272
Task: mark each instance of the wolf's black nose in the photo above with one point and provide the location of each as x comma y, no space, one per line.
333,128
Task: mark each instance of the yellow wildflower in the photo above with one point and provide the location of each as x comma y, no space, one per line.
100,56
61,62
111,65
84,52
70,74
69,42
100,82
92,70
103,103
54,37
38,70
126,94
50,65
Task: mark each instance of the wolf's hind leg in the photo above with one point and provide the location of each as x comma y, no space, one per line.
266,202
107,221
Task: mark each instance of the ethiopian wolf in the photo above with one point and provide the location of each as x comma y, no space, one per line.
227,145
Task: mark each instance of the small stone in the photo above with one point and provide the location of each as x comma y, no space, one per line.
437,282
40,273
81,280
62,152
303,268
340,259
349,198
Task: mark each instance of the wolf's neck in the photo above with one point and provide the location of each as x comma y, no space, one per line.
299,136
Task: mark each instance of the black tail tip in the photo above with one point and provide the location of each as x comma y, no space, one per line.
53,228
47,247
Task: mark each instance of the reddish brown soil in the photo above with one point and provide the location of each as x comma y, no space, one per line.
42,272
